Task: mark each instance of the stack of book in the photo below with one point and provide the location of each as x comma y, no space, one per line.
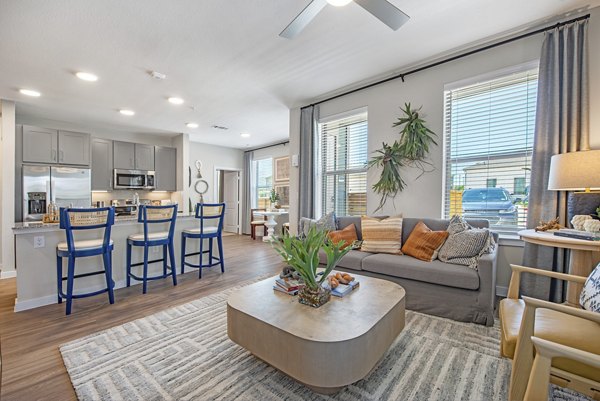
578,234
287,285
344,289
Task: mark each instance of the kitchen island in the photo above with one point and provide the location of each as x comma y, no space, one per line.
35,257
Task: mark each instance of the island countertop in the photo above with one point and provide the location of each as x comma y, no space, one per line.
38,226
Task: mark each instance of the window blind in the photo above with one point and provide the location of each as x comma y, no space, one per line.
342,168
489,128
264,182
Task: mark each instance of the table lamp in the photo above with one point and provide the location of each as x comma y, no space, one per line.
578,173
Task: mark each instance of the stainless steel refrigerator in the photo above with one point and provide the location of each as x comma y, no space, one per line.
66,186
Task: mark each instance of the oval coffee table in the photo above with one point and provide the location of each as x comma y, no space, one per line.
324,348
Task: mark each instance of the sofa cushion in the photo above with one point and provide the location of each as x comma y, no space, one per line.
435,272
409,223
423,243
326,222
382,235
347,235
345,221
352,260
465,244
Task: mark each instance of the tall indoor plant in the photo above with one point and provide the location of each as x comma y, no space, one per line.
303,256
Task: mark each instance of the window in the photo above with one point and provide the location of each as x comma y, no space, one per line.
263,171
342,165
488,128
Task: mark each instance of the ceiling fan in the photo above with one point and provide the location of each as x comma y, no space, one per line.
385,11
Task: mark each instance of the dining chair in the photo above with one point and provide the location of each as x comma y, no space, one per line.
257,221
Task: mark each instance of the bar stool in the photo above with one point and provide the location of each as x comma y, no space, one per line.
205,212
84,219
152,215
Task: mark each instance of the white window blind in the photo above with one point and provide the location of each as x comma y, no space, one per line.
263,171
342,165
488,130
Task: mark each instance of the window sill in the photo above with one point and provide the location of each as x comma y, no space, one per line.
511,240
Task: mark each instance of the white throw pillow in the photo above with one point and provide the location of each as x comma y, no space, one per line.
590,295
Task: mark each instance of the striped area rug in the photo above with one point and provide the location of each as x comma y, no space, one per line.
183,353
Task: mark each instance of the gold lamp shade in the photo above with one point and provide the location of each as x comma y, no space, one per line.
575,171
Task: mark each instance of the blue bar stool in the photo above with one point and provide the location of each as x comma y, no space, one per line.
152,215
205,212
84,219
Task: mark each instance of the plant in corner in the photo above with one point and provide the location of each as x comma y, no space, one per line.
410,150
303,256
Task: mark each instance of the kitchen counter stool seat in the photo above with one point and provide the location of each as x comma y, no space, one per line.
205,213
152,215
84,219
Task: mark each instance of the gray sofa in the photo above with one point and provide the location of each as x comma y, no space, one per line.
435,288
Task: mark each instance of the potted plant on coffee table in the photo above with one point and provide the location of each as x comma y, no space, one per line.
303,256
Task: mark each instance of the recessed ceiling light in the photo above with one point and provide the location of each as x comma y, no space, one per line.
245,135
191,125
30,92
127,112
86,76
339,3
176,100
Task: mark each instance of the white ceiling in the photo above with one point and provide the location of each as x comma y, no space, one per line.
224,58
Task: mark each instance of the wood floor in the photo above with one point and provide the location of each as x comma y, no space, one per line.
32,368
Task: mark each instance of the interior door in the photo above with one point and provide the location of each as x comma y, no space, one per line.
231,197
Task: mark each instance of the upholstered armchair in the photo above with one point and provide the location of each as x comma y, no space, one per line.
568,339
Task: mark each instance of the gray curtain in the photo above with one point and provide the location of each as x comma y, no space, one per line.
561,126
247,192
308,130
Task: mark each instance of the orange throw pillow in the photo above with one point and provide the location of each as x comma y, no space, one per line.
423,244
348,235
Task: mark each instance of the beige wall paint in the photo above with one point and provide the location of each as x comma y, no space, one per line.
423,197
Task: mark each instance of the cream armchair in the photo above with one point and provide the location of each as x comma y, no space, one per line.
568,326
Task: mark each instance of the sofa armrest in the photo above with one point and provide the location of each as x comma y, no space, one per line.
486,267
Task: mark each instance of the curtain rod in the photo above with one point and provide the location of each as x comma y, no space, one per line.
453,58
267,146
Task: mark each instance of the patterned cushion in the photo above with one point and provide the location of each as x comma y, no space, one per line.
423,244
590,295
326,223
348,235
382,235
465,244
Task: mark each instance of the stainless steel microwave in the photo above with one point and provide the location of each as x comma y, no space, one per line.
134,179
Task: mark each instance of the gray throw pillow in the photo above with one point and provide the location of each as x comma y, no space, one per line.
465,244
590,295
327,223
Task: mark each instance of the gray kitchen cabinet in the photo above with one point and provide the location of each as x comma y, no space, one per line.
73,148
144,157
40,145
102,164
124,155
165,168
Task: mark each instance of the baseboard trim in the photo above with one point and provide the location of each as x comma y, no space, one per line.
52,299
501,291
8,274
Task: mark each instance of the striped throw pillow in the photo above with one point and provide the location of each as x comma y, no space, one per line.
423,244
381,235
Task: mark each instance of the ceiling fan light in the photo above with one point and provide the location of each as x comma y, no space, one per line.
339,3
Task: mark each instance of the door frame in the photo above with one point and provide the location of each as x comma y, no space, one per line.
240,186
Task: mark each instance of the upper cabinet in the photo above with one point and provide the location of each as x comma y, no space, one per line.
124,155
102,164
165,168
43,145
133,156
144,157
73,148
40,145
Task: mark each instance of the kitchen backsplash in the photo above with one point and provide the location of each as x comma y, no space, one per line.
128,194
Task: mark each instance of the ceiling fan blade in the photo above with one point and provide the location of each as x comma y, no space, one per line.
385,11
303,19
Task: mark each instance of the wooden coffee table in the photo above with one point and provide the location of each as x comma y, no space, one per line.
324,348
